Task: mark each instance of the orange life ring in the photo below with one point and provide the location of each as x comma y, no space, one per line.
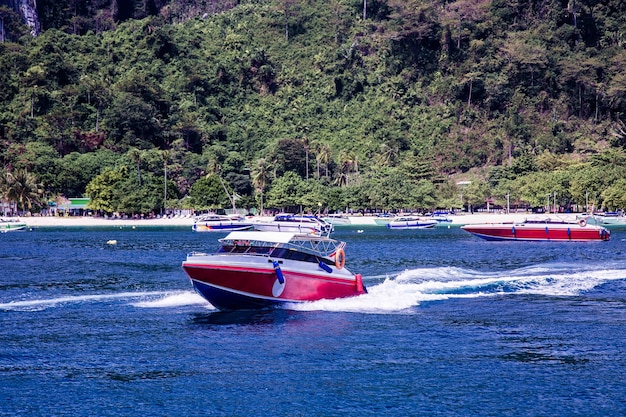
582,222
340,258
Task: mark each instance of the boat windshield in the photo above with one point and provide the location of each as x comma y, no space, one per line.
269,242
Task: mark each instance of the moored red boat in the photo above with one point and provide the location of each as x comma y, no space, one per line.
539,230
255,269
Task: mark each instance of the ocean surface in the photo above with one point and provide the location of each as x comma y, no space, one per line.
452,326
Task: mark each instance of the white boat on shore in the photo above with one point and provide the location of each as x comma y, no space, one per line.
411,222
293,223
610,219
11,224
337,219
220,223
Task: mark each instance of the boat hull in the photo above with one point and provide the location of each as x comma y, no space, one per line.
220,226
412,224
338,221
547,232
612,221
249,282
11,227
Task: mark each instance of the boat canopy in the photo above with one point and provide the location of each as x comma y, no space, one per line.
319,245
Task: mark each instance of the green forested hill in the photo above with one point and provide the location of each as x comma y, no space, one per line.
297,103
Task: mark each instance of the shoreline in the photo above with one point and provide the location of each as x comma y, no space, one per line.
87,221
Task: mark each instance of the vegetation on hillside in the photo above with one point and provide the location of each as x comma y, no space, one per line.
301,104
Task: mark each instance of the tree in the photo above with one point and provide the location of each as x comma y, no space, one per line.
387,155
76,170
288,7
290,156
285,191
411,22
460,11
524,50
102,190
614,197
306,145
23,188
165,155
583,72
136,156
260,177
313,196
617,82
208,193
324,155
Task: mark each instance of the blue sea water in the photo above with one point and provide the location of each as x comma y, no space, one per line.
452,326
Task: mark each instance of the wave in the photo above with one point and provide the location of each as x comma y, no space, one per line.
174,300
400,292
148,299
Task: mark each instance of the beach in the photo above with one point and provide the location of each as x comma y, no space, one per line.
187,221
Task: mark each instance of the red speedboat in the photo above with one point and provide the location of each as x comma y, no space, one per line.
538,230
255,269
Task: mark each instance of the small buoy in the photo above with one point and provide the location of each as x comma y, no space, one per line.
112,242
360,231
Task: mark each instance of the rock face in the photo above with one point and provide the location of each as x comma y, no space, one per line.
28,11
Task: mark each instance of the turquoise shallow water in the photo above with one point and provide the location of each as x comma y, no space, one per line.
452,325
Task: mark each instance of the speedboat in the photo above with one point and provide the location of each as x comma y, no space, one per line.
539,230
442,216
611,218
382,219
337,219
11,225
254,269
411,222
296,224
220,223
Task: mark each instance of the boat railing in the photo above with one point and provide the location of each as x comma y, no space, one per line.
322,247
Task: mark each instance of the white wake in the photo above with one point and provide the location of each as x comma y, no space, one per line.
147,299
412,287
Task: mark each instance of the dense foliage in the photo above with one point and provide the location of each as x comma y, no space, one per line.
302,105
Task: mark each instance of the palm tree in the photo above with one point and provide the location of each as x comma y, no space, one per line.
324,155
165,155
306,145
3,189
388,154
355,164
345,158
260,177
136,156
316,148
22,187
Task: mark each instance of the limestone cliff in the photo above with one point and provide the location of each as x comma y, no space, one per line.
27,9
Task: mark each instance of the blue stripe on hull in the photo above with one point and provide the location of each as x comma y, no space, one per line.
219,228
226,300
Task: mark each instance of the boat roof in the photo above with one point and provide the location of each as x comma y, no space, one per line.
317,245
272,237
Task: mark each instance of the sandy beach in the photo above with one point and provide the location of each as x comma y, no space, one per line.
87,221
